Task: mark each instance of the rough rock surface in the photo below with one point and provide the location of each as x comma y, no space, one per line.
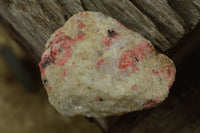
94,66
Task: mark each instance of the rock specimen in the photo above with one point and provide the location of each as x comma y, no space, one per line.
94,66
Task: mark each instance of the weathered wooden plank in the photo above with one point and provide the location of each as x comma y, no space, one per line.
188,10
71,6
31,22
197,4
164,17
35,20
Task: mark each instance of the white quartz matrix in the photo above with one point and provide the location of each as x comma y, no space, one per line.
94,66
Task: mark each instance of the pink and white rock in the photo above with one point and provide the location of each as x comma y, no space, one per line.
94,66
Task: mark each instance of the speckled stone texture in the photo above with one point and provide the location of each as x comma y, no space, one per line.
94,66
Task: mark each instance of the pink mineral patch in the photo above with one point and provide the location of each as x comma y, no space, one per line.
143,48
100,61
59,42
50,87
61,62
133,87
79,37
109,40
83,58
64,74
155,71
149,104
80,24
127,60
169,73
54,52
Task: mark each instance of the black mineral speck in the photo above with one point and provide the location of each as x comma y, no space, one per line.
47,62
111,33
136,59
100,99
45,81
60,49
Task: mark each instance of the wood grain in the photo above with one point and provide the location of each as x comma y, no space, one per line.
161,21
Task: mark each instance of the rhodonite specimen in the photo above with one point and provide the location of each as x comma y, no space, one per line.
94,66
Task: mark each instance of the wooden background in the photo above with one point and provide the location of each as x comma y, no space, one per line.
171,25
